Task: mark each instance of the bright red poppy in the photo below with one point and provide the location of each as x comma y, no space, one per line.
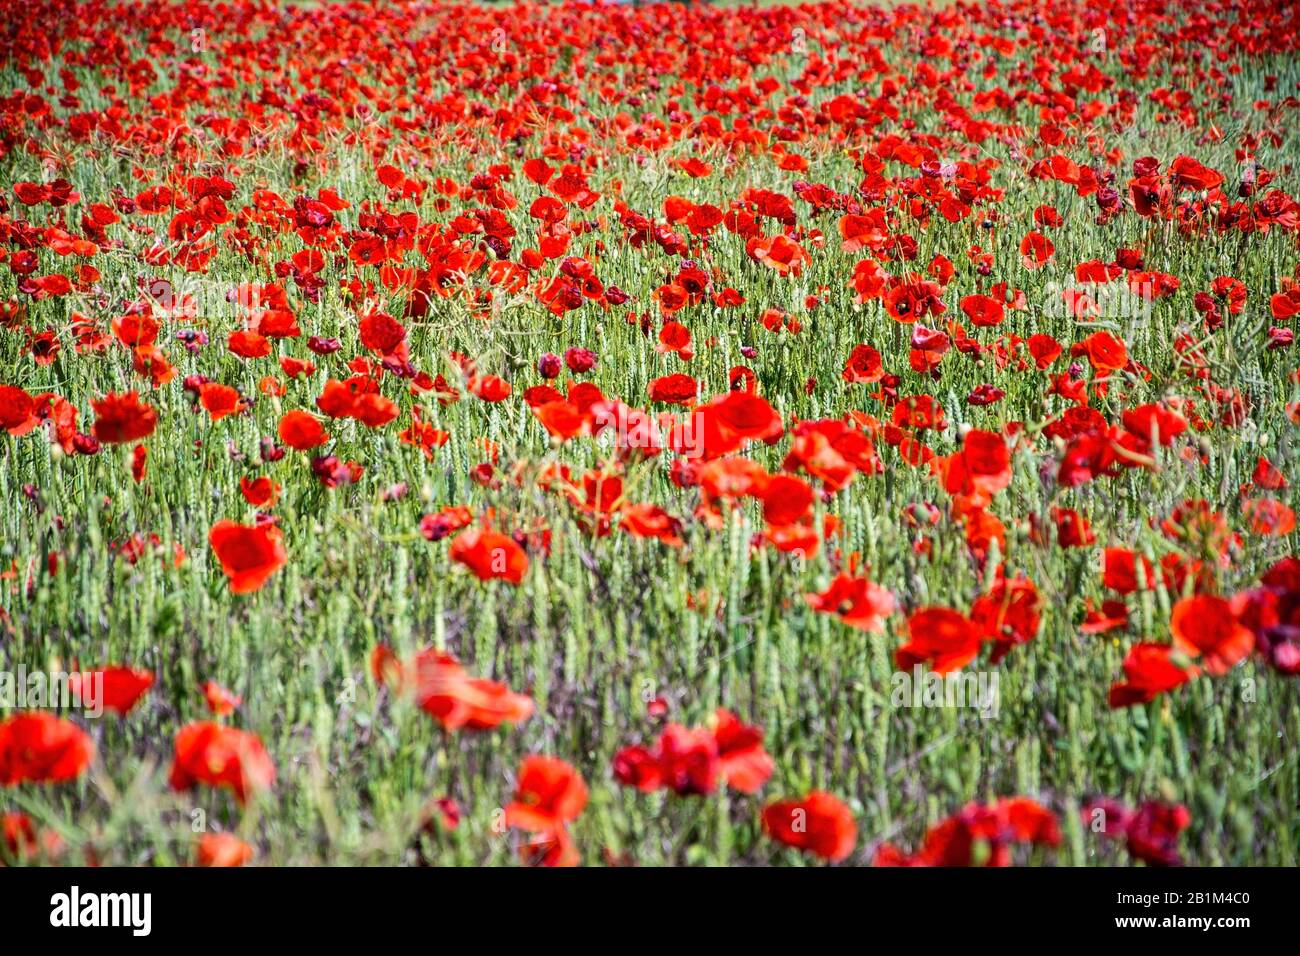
122,419
249,555
302,431
549,795
941,637
856,601
819,823
216,756
490,555
121,687
1206,629
1149,671
39,747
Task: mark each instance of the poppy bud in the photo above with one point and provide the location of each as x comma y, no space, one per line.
548,366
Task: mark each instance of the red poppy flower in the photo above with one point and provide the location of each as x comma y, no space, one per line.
302,431
1272,612
216,756
982,310
980,470
549,794
1008,615
223,850
980,835
122,687
220,400
1150,832
864,365
439,686
374,410
1036,250
1205,627
248,555
381,333
1104,351
945,639
221,702
1269,516
1187,173
260,492
820,824
781,254
489,555
683,760
16,408
122,419
858,602
39,747
1149,672
726,423
248,344
786,500
1267,475
1119,571
677,389
907,302
920,412
1044,349
745,765
562,419
21,841
651,521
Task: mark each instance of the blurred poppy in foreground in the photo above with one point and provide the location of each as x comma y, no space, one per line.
549,794
223,850
42,748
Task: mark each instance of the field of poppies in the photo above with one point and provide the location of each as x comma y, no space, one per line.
666,434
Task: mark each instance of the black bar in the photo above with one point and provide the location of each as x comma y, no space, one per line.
334,906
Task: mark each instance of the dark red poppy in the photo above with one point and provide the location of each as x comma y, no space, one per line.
1150,832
